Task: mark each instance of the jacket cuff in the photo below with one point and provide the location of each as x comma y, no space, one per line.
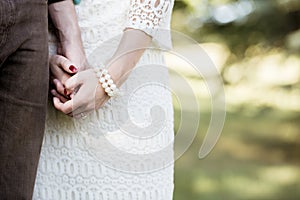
53,1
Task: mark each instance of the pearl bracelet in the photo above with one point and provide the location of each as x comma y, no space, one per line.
106,82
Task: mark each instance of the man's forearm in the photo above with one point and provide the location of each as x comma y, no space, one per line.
64,18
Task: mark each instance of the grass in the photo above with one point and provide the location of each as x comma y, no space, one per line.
256,158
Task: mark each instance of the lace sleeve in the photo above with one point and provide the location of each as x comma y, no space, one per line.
153,17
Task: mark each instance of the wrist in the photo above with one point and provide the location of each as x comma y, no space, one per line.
106,82
119,70
69,35
69,46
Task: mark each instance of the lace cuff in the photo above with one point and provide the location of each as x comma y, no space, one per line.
153,17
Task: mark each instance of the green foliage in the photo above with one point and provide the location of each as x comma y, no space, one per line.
270,23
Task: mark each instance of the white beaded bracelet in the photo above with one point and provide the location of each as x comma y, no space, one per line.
106,82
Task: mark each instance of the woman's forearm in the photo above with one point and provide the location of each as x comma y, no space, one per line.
131,47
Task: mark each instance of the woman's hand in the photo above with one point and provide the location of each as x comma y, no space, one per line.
61,70
87,94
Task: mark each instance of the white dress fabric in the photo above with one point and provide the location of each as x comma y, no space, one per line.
123,151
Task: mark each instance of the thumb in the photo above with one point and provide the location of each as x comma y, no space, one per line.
73,82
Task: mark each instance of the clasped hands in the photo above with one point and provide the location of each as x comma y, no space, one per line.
76,92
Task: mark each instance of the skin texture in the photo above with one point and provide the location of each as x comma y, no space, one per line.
76,88
64,19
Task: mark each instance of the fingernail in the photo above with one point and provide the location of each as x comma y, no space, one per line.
65,92
73,68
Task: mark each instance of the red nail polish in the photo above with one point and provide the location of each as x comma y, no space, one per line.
73,68
65,92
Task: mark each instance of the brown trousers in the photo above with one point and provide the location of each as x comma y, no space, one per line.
23,93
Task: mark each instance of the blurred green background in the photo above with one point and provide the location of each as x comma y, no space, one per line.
255,44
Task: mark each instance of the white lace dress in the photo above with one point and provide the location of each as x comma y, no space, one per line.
123,151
